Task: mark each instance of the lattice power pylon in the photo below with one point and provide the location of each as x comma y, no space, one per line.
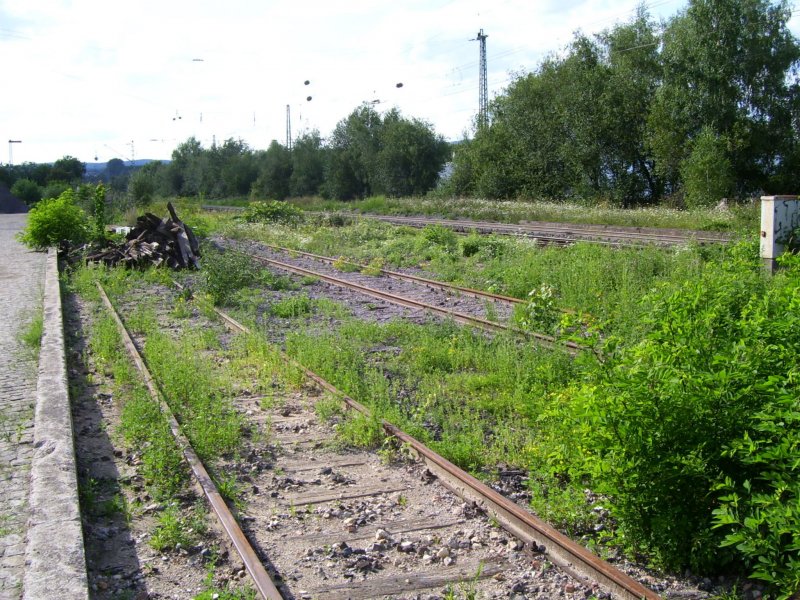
288,128
483,94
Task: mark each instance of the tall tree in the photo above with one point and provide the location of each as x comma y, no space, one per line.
411,155
728,66
308,165
275,171
351,170
67,168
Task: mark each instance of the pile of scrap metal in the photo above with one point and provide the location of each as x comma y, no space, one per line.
155,242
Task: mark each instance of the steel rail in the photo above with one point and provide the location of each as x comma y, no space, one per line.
579,231
543,232
479,294
447,287
254,566
459,317
564,552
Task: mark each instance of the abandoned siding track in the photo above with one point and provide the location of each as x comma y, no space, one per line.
332,523
564,233
550,233
430,283
414,293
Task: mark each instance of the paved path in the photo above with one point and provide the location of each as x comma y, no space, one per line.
21,285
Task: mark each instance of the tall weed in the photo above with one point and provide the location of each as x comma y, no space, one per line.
659,424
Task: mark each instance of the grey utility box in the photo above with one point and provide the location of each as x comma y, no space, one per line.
780,217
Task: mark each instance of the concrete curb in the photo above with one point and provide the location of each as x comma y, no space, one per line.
55,564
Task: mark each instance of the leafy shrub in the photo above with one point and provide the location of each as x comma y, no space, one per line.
27,191
345,266
142,187
760,506
540,312
761,514
661,424
55,220
707,172
489,245
99,218
55,188
274,211
225,273
441,236
374,268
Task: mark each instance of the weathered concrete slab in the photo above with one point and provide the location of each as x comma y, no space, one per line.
54,556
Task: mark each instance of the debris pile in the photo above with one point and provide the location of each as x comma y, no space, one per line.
154,242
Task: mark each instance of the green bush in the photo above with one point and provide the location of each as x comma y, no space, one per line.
693,432
274,211
56,220
27,191
55,188
441,236
760,507
225,273
707,172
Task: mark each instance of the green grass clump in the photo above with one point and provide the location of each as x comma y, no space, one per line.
31,334
143,426
360,431
254,359
274,211
292,307
198,397
173,529
475,399
224,273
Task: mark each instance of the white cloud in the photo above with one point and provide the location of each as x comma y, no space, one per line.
85,78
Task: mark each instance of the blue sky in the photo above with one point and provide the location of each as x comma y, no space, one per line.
111,79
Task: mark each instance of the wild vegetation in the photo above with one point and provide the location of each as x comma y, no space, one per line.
672,417
683,416
702,111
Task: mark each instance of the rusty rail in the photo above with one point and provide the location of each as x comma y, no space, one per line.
480,294
459,317
254,566
570,556
547,232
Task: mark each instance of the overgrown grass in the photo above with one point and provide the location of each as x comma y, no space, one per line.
474,398
735,218
607,283
175,531
143,425
31,334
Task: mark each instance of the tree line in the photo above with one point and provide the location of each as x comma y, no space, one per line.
700,107
703,106
31,182
367,154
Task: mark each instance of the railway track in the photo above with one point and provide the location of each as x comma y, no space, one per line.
547,233
430,283
340,524
563,234
432,306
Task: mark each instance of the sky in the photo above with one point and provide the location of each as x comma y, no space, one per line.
98,80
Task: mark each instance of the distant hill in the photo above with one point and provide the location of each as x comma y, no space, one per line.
99,167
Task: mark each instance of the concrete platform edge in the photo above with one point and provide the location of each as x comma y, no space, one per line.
55,563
